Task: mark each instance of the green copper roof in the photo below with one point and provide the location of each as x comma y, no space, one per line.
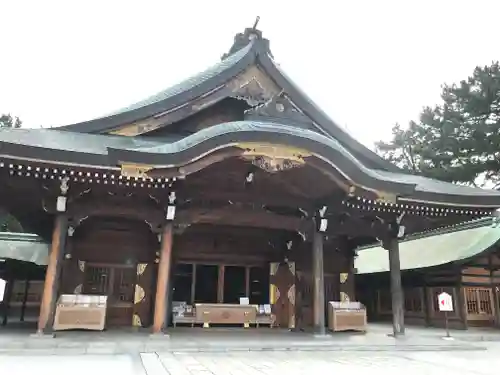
26,247
189,83
436,248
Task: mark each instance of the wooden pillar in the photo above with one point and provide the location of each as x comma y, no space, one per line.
162,283
427,306
52,275
318,284
461,302
247,282
193,284
25,299
397,297
220,284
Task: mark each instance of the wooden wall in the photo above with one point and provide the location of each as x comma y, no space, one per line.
474,287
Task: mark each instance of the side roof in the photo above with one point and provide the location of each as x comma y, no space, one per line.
25,247
249,48
456,244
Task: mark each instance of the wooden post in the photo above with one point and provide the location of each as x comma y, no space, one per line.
193,284
220,284
162,284
247,282
397,297
461,303
318,284
25,299
52,275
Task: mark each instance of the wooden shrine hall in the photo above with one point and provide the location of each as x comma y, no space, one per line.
230,185
462,260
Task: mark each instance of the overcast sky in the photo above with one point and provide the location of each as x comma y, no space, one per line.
368,63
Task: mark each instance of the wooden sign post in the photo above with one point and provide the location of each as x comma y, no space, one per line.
445,305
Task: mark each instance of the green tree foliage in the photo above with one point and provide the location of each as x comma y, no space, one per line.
9,223
7,121
459,139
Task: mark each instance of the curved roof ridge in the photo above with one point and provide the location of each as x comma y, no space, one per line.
326,124
173,96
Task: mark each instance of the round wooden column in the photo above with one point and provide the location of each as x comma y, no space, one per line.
397,297
318,284
52,276
162,292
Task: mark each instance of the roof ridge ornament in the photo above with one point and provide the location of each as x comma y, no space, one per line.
280,108
241,40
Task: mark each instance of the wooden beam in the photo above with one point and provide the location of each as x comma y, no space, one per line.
194,193
242,217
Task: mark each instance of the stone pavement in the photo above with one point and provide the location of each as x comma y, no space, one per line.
224,340
484,362
421,363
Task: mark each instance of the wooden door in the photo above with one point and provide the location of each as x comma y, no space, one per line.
282,293
117,282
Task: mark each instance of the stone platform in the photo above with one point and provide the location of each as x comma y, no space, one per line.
19,340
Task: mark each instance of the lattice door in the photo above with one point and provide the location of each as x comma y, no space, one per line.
116,282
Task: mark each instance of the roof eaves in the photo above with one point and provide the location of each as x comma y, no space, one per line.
483,222
25,237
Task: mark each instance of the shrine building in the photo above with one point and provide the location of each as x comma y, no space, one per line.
462,260
231,184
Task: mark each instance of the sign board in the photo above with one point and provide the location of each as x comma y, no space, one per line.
445,302
3,283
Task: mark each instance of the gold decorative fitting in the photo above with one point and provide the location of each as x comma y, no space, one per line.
273,158
343,277
273,267
81,265
136,321
344,297
383,196
135,170
141,267
291,294
271,165
139,294
78,289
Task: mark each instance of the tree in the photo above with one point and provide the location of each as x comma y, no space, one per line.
9,223
7,121
458,140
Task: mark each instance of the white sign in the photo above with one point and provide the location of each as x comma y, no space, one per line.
3,283
445,302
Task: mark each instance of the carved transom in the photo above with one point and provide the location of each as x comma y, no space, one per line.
272,165
272,158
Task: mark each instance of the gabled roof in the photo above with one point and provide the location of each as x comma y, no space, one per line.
249,48
456,244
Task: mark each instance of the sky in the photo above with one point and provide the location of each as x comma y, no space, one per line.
368,64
